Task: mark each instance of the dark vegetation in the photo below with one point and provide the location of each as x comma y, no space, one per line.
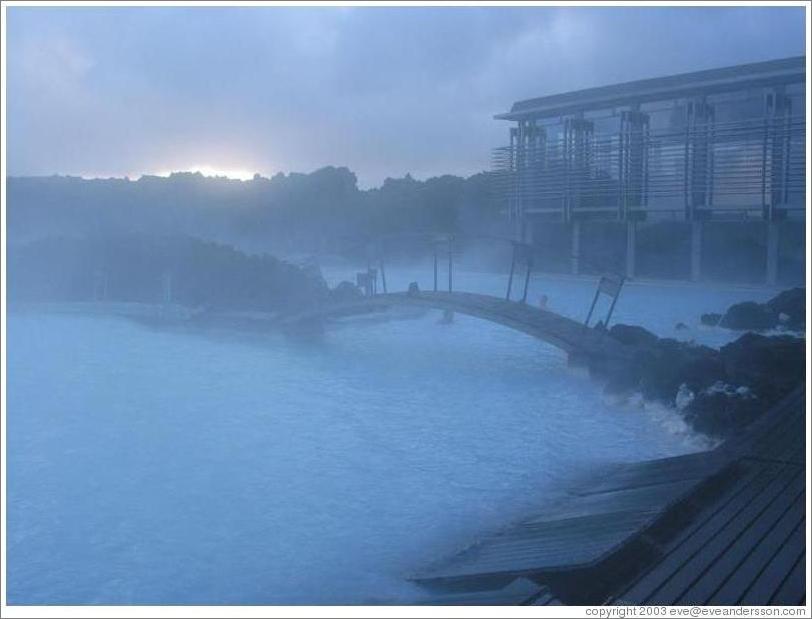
321,212
325,213
145,268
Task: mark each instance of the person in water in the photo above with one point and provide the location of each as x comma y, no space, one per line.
543,302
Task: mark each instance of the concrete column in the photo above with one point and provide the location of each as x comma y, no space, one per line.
772,252
631,244
576,248
696,250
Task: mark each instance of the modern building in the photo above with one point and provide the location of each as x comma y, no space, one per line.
724,144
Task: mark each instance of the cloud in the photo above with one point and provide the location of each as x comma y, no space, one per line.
384,91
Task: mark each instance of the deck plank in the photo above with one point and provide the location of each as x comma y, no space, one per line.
792,591
746,545
744,573
752,547
779,567
695,540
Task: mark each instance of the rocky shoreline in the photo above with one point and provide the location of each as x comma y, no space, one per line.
786,311
718,391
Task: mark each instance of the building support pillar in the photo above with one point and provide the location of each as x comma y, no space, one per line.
575,256
696,250
772,253
631,245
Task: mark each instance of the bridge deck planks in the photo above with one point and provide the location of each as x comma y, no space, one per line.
565,333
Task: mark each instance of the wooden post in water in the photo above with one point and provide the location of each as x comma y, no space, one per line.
617,288
512,268
383,277
372,278
529,259
592,307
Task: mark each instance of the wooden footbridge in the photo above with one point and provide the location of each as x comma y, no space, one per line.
573,337
564,333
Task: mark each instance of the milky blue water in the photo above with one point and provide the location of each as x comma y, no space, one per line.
164,466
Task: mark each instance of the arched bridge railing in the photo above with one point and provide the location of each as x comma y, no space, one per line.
442,247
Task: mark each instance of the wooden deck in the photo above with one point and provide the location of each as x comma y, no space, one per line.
520,591
720,527
560,331
748,545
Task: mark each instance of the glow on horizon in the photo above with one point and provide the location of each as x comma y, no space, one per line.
241,174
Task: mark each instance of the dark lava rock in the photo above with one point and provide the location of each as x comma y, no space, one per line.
765,368
720,391
633,335
659,366
346,291
681,326
749,316
711,320
672,363
787,310
770,366
792,303
717,413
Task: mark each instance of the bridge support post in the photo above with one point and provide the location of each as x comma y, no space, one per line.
772,252
696,250
631,234
575,264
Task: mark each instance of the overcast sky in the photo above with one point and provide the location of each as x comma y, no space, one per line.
384,91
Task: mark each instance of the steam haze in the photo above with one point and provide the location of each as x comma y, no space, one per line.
125,92
290,318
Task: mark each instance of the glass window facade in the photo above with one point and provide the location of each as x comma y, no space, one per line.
721,152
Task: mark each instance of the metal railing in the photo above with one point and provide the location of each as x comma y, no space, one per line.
751,165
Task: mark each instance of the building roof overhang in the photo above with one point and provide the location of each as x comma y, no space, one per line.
771,72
